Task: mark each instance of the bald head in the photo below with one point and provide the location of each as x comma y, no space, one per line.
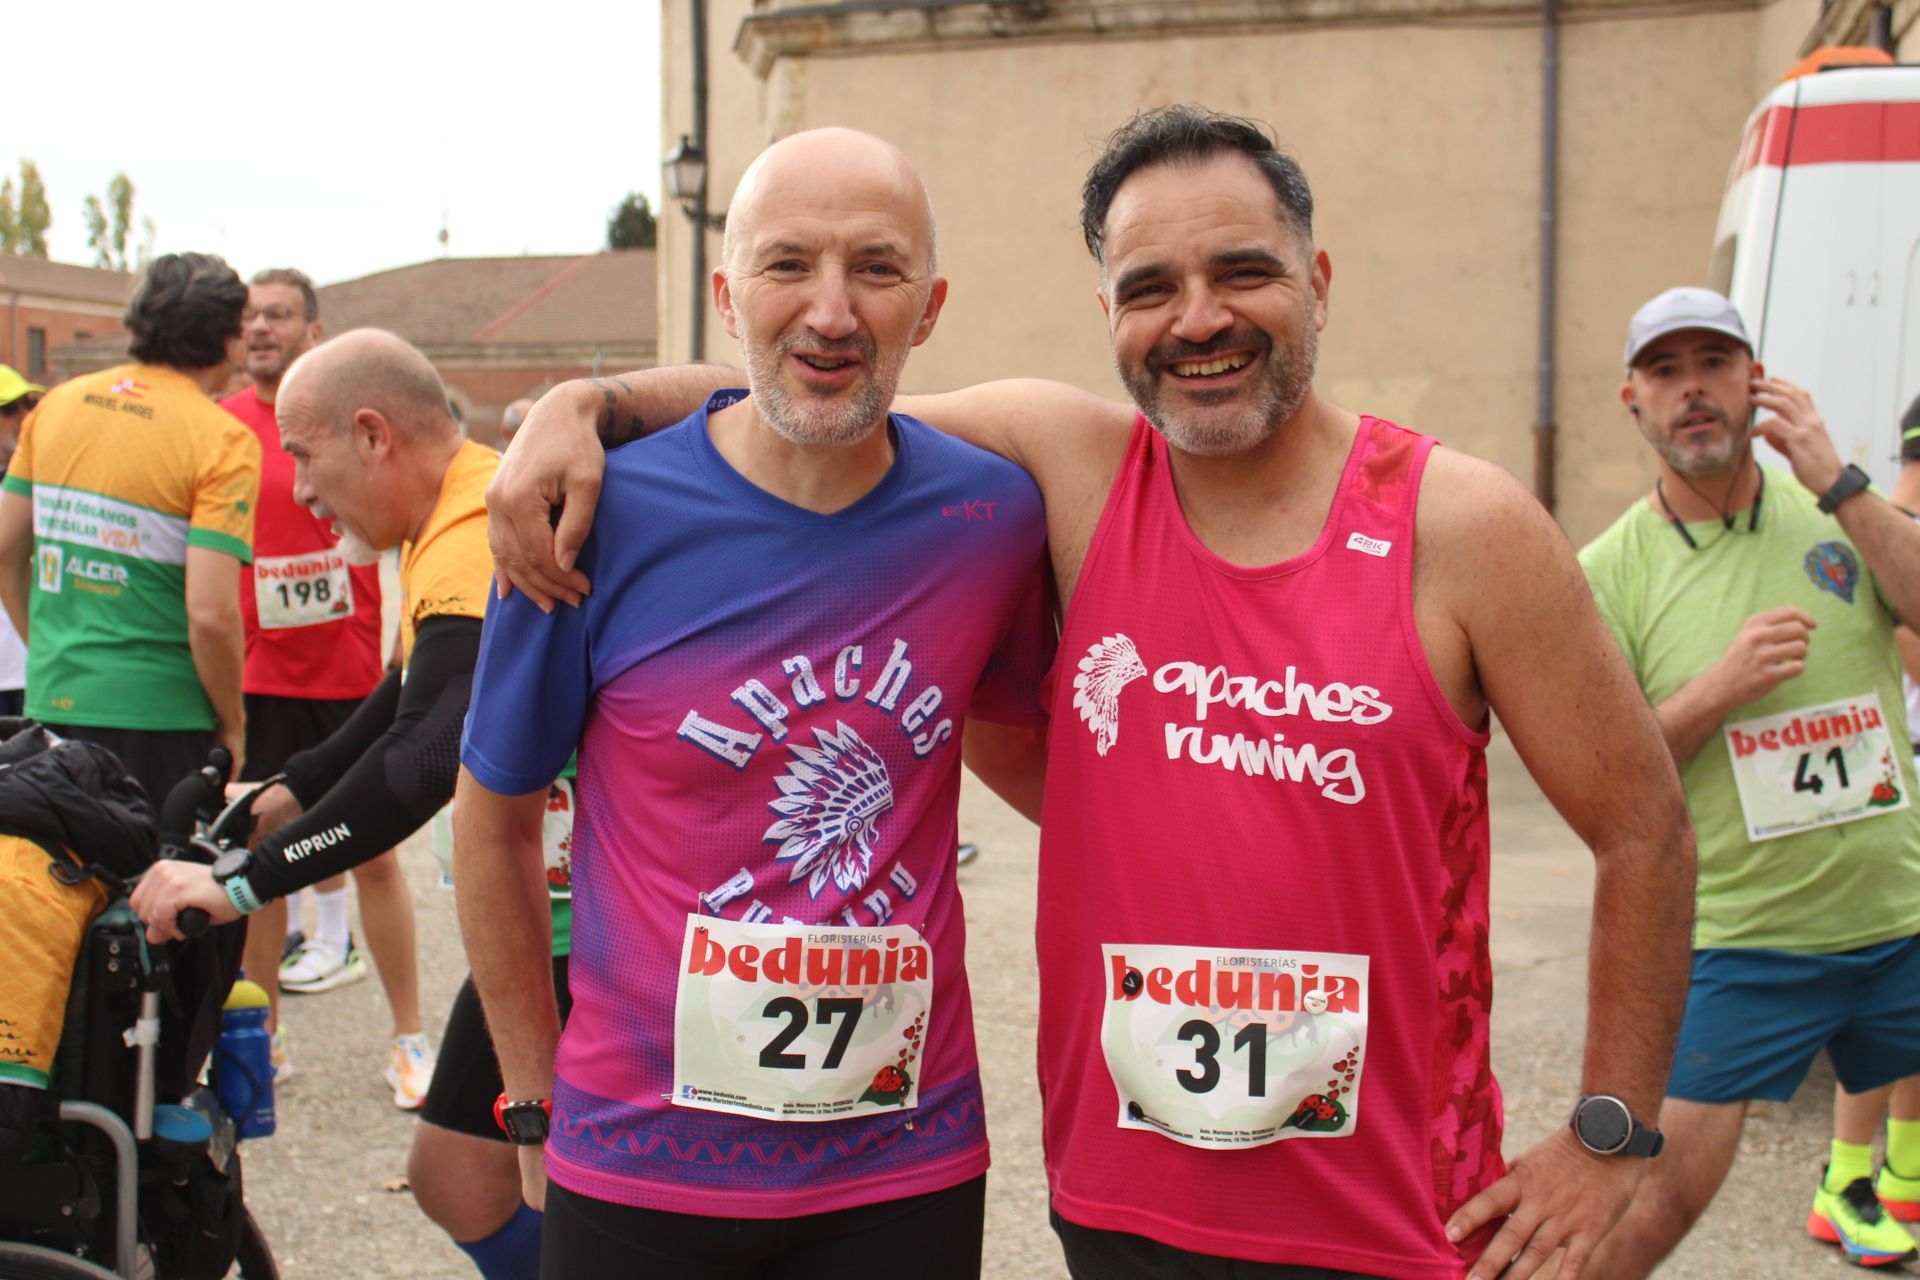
830,169
369,369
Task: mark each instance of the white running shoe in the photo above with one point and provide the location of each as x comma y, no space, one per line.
410,1070
317,967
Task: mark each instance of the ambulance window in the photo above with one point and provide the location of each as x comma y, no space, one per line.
1720,268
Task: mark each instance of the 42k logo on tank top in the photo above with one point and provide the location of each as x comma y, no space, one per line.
1112,663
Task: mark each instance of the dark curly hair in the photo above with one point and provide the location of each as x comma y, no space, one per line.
184,309
1186,134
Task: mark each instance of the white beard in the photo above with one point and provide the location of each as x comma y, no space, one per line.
355,550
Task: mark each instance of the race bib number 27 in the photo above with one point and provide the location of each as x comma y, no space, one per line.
1224,1049
800,1022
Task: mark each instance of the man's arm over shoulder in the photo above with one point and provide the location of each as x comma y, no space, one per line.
1551,671
557,459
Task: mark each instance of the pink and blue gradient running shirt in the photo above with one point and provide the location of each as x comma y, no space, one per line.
739,664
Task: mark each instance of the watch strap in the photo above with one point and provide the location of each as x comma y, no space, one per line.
1644,1141
240,893
1852,481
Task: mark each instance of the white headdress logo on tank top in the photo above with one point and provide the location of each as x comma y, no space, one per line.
1110,666
831,798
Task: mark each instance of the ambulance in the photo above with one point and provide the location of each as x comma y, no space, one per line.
1818,245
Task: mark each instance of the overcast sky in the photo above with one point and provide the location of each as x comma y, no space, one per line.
334,137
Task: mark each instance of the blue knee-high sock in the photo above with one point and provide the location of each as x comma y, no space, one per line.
512,1252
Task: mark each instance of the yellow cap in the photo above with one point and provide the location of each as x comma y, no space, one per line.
246,994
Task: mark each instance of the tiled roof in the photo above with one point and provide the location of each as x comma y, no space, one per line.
590,298
63,279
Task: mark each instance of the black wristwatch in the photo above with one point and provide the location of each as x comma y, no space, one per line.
1606,1127
230,864
1852,480
524,1123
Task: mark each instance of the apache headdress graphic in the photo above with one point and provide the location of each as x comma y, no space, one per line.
831,796
1110,666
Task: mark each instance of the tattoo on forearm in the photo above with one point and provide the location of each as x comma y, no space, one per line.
612,432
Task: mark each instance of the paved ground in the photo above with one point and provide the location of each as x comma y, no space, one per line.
325,1186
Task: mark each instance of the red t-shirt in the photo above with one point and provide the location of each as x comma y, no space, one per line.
313,621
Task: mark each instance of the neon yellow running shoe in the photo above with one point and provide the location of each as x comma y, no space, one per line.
1900,1195
1856,1221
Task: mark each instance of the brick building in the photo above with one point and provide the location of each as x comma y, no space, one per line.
45,305
501,328
497,329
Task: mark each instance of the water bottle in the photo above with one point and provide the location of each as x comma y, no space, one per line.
243,1061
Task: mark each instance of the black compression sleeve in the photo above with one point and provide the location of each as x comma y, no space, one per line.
396,785
312,773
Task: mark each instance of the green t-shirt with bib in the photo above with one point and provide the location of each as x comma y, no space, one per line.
1803,801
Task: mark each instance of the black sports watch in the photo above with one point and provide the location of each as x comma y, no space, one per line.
232,863
1606,1127
524,1123
1852,480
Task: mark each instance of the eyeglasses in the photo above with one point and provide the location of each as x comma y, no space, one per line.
276,314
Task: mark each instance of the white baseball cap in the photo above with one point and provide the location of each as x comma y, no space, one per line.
1678,309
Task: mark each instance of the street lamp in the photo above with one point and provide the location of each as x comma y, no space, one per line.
686,168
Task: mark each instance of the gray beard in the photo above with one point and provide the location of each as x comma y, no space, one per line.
820,422
1277,398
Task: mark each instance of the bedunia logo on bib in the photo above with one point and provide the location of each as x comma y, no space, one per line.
1372,546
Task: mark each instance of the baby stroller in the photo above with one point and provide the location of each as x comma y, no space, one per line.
130,1167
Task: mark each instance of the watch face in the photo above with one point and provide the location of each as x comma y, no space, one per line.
1604,1124
229,864
525,1124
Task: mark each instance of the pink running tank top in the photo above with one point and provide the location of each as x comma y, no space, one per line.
1263,892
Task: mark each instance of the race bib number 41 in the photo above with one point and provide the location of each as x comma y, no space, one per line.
301,591
1815,767
1226,1049
800,1022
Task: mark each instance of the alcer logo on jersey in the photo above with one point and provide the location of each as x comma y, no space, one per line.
1112,663
831,798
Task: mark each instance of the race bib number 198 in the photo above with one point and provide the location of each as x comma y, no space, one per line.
1225,1049
302,590
800,1022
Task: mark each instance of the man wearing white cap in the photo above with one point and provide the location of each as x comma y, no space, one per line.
1757,608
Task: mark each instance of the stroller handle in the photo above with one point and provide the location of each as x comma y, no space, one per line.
178,814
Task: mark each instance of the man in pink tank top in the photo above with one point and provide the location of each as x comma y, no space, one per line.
1263,903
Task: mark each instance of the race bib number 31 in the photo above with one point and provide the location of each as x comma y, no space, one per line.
1227,1049
1815,767
800,1022
301,591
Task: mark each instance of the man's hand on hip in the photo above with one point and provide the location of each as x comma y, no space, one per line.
1557,1195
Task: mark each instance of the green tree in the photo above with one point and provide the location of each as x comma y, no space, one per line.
31,216
109,223
632,225
9,220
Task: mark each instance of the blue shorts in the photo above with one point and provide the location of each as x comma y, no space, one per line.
1756,1018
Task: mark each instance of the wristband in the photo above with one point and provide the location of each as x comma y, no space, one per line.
241,895
1852,481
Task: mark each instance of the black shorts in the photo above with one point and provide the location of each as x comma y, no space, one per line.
154,758
930,1237
1093,1254
277,727
466,1075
